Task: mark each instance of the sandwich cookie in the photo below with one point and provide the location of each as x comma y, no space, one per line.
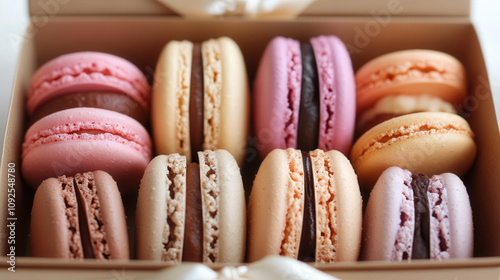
411,216
89,79
427,142
191,211
200,99
79,217
304,96
305,206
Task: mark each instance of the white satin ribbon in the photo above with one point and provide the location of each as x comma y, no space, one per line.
269,268
282,9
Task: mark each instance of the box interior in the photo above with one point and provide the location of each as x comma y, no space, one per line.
140,40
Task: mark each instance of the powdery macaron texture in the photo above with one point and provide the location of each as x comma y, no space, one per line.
83,139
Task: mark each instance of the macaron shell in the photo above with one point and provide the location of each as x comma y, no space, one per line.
277,95
267,209
170,99
428,143
411,72
460,217
113,215
114,143
337,94
235,101
49,235
87,71
383,215
152,207
349,207
232,209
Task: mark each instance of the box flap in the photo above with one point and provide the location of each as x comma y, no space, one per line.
53,8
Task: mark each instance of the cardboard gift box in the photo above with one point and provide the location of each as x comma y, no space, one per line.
138,29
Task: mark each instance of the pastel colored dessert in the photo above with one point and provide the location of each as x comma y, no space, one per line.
79,217
269,268
200,99
304,96
393,106
89,79
426,142
412,216
306,206
82,139
191,211
411,72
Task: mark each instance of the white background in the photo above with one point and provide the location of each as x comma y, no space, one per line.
14,17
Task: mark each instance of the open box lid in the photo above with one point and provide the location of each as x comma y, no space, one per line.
440,8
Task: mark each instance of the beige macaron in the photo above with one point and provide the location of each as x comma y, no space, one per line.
191,212
200,98
281,217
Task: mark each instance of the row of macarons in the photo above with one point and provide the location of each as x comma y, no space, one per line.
303,205
93,111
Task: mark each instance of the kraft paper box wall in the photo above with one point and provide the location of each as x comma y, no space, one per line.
137,30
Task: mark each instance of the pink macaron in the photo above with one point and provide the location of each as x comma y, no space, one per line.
89,79
412,216
304,96
85,139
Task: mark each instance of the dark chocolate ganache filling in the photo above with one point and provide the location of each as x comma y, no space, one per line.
307,248
421,241
308,127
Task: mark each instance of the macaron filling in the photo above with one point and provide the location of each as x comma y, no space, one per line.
308,127
93,240
192,251
420,184
307,248
196,103
114,101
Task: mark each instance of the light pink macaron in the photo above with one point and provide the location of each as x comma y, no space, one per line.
412,216
304,96
89,79
85,139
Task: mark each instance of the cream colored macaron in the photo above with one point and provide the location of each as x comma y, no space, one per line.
200,99
305,206
191,212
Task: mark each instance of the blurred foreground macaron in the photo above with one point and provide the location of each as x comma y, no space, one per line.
191,211
79,217
201,99
410,216
89,79
304,96
81,139
306,206
428,143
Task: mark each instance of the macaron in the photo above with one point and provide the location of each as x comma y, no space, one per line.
393,106
411,216
79,217
411,72
306,206
81,139
191,211
426,142
201,99
304,96
89,79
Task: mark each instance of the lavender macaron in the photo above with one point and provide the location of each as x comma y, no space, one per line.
412,216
